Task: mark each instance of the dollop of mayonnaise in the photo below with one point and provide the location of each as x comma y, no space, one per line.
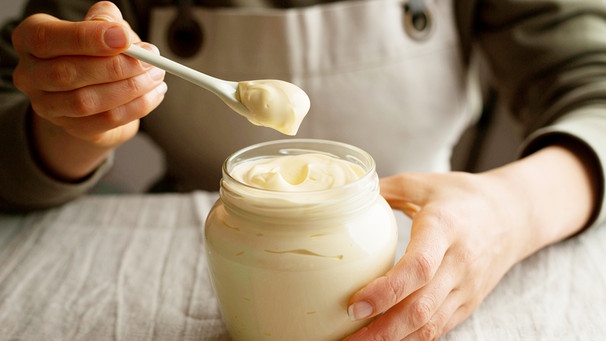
275,104
297,173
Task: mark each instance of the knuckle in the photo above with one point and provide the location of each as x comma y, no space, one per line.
85,102
430,331
82,37
132,86
45,105
62,74
114,118
373,332
38,38
381,337
424,265
115,69
421,312
466,309
467,255
444,218
395,287
29,34
20,80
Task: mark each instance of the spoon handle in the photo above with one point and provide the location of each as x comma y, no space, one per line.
218,86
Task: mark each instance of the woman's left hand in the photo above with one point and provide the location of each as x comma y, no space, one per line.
467,231
465,236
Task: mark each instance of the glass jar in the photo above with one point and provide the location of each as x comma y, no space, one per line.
284,264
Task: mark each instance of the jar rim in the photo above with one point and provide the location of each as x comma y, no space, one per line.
302,146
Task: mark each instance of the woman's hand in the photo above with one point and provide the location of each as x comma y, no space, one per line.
468,230
87,97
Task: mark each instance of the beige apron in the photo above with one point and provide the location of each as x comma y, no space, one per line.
370,84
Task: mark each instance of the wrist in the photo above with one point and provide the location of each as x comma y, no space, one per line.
61,155
552,191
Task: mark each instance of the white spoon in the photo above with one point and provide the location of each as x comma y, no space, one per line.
226,90
271,103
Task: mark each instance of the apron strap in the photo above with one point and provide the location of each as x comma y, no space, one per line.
185,35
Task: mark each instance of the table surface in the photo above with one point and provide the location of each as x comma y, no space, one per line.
132,267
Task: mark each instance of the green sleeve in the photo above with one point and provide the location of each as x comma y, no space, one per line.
548,62
24,186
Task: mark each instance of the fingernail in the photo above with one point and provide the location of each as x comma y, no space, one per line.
151,48
359,310
162,88
156,73
115,37
99,17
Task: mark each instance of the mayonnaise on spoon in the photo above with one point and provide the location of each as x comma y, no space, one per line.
270,103
273,103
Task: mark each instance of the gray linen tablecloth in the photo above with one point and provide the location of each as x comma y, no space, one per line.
132,267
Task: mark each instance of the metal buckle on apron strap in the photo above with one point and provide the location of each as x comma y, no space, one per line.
185,35
418,20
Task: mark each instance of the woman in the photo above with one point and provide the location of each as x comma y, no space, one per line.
389,77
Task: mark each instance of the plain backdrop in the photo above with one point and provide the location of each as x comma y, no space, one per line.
10,8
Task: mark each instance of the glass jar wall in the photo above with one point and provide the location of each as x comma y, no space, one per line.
284,263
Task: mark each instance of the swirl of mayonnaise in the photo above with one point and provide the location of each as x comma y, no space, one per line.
297,173
275,104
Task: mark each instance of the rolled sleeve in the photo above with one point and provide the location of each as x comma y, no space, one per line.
24,186
584,131
548,63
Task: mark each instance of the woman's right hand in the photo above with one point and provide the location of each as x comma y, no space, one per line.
86,96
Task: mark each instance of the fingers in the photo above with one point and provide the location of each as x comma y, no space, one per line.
58,55
449,314
96,98
426,313
70,72
76,70
103,127
458,251
423,316
417,267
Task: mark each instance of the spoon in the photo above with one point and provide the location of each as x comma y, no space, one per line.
226,90
270,103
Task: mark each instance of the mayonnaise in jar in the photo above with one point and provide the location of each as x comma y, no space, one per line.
299,227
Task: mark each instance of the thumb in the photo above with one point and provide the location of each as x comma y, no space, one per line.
104,11
45,37
108,12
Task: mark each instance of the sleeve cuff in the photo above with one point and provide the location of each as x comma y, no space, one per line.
24,186
584,131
